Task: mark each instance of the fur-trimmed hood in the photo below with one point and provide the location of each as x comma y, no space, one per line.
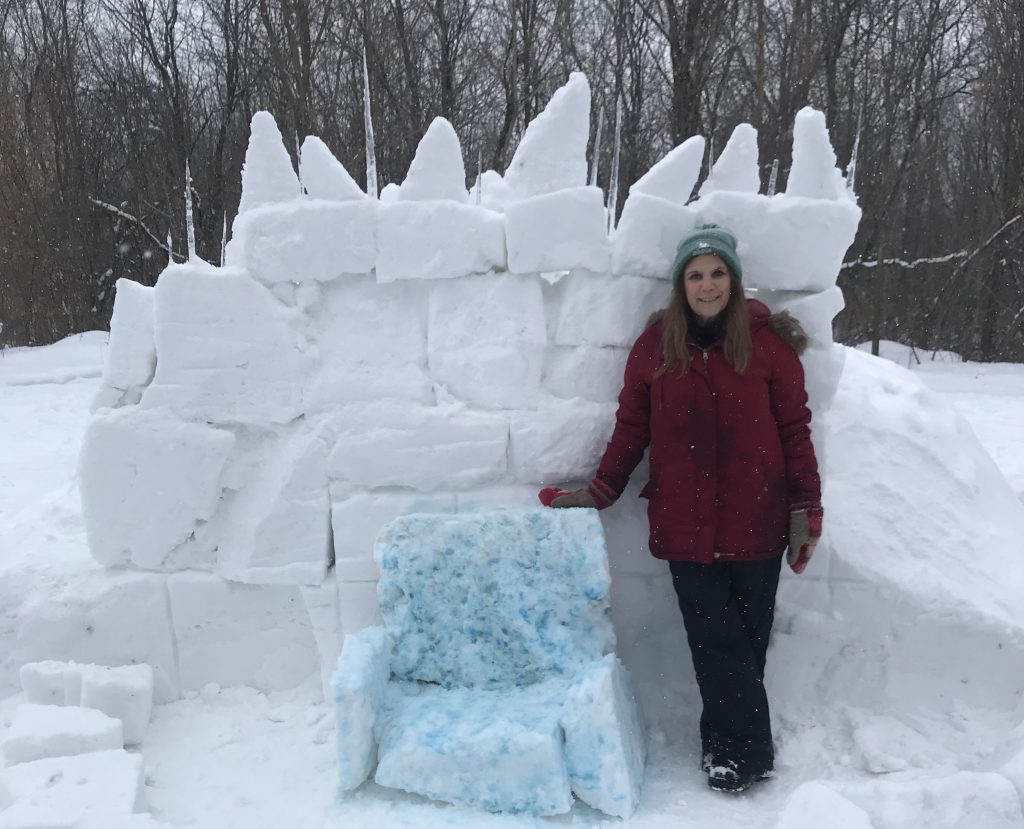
784,324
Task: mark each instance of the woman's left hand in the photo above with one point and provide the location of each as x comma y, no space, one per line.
804,532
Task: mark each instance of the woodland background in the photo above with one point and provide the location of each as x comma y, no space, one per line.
102,102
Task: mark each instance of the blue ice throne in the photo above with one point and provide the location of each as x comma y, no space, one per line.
493,681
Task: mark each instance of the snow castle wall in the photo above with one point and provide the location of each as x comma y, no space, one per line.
357,359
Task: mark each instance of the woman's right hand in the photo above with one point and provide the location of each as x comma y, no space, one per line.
562,499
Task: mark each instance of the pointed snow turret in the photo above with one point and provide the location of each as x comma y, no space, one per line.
267,175
323,176
814,173
437,171
553,152
736,168
673,177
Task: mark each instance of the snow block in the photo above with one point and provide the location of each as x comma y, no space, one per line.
558,232
65,791
601,310
786,243
267,173
313,240
487,338
814,310
124,693
823,368
147,482
436,171
358,519
240,634
673,177
227,350
321,603
736,169
39,731
562,441
323,176
437,240
438,742
422,447
131,359
359,687
814,173
588,373
494,193
530,585
358,606
552,154
107,618
605,744
813,805
136,821
649,229
43,682
276,528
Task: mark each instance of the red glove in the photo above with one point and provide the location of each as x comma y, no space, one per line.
804,533
554,497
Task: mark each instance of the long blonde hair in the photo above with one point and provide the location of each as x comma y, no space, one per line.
675,327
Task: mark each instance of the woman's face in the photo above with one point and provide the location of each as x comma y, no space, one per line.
708,285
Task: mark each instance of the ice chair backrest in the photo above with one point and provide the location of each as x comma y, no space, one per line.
496,598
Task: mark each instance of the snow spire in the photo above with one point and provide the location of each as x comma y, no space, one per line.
613,186
597,147
773,178
371,153
190,228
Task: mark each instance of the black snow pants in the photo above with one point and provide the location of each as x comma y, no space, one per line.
728,608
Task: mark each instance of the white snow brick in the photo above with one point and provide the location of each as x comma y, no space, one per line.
131,358
499,496
68,791
39,731
814,311
322,607
358,519
436,171
494,192
276,528
306,241
426,448
814,805
645,239
558,232
323,176
785,242
240,634
335,385
103,617
672,179
136,821
602,310
358,606
147,481
437,240
581,371
267,174
823,368
736,169
562,441
487,338
814,173
43,682
605,744
124,692
552,154
227,350
359,684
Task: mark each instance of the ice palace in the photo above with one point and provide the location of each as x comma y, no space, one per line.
357,362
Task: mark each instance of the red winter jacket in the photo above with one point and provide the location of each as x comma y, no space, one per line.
731,454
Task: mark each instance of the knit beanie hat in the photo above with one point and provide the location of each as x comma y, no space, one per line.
707,239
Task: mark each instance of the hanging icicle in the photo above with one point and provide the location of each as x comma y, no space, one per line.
224,239
371,151
170,248
711,155
773,178
596,161
478,189
190,229
298,164
851,170
613,185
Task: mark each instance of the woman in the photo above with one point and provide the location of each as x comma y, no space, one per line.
715,387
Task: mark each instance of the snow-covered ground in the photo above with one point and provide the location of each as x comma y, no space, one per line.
235,757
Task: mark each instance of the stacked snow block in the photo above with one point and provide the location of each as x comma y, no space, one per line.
492,680
356,359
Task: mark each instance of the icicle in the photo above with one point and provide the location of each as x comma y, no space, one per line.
478,190
711,155
773,178
170,248
851,170
371,153
298,164
190,229
613,186
597,147
224,239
